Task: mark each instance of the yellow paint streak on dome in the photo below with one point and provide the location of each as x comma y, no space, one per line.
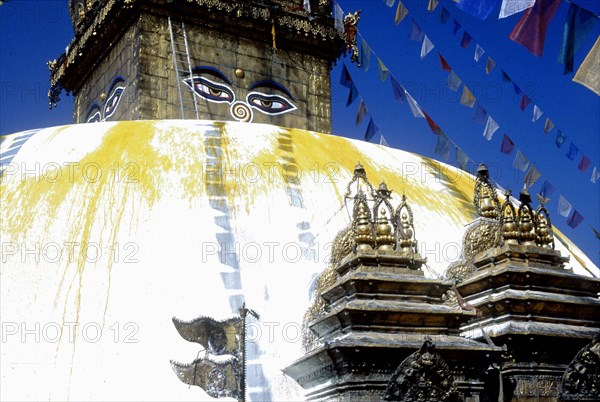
94,203
453,203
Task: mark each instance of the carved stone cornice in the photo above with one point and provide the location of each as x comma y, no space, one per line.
314,34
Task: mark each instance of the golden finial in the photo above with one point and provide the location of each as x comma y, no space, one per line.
544,230
485,198
510,233
386,241
527,220
363,228
407,243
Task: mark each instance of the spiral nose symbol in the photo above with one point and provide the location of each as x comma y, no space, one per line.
241,112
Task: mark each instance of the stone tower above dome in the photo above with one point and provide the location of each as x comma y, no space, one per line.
262,61
80,12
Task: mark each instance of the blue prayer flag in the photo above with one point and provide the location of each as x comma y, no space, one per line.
507,145
415,33
444,15
578,24
560,138
397,90
575,219
547,189
466,40
480,115
345,79
455,26
352,95
442,146
572,152
461,159
478,8
365,54
371,130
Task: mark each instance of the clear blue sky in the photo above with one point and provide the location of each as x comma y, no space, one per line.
35,31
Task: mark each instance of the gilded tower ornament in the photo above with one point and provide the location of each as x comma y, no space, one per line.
362,225
407,243
485,198
385,229
508,217
351,30
527,220
544,232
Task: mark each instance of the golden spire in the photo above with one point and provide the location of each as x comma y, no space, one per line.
407,243
527,221
386,241
362,226
510,233
544,231
485,198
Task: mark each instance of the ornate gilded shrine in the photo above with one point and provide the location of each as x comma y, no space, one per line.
541,311
266,62
509,322
373,308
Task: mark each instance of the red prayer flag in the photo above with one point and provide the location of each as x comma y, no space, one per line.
507,145
432,125
445,65
584,164
525,101
530,31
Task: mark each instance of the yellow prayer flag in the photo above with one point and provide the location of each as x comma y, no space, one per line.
467,98
588,73
401,13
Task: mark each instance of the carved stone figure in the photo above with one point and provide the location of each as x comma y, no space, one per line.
422,377
581,381
351,30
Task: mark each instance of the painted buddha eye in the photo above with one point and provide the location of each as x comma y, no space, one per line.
270,104
94,115
113,101
209,90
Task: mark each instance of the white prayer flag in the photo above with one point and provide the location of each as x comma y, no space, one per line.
537,113
426,48
478,52
564,206
416,110
510,7
490,128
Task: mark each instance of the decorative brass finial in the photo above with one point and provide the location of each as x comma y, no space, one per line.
351,30
383,191
359,170
510,233
362,183
485,198
407,243
386,241
362,225
527,221
240,73
382,198
524,196
544,231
